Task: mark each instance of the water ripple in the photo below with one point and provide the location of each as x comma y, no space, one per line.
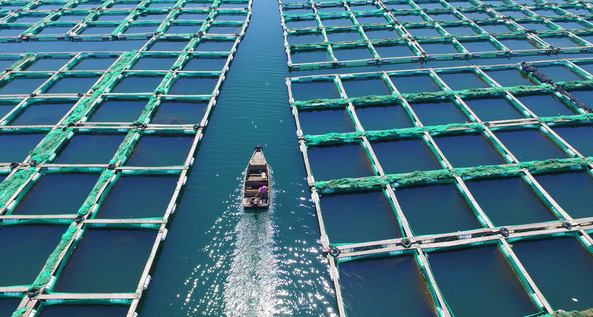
254,272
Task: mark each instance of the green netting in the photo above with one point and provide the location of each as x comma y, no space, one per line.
34,28
488,171
479,92
115,70
420,177
426,96
166,25
388,134
376,182
575,118
125,147
324,45
55,138
585,313
148,109
180,60
585,84
20,61
192,43
45,275
19,312
325,103
118,30
50,143
534,167
58,135
111,76
164,86
298,16
555,164
90,200
80,109
10,185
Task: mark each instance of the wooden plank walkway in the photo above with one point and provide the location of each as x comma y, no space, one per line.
33,217
14,289
463,238
125,221
70,296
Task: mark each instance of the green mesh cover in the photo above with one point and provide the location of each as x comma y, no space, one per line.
19,312
388,134
80,109
331,137
148,109
584,84
164,86
376,182
182,57
420,177
192,43
32,29
50,143
20,61
90,200
45,275
165,23
585,313
555,164
582,117
119,29
115,70
125,147
488,171
10,185
108,79
426,96
313,103
373,99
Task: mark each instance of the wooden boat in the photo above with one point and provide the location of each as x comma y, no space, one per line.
256,176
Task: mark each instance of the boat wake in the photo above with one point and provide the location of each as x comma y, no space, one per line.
250,287
254,266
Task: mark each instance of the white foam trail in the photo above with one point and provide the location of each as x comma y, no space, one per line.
250,288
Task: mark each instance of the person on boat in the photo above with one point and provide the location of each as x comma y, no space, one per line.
263,193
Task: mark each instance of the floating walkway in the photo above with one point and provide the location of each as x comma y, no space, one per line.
332,34
184,44
433,106
389,184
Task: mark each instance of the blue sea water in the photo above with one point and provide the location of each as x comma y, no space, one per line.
218,260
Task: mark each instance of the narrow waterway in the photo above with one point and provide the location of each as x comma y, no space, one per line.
217,259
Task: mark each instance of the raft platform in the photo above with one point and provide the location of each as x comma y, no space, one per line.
177,51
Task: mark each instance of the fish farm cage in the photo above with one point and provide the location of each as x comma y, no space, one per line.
453,174
329,34
101,102
446,146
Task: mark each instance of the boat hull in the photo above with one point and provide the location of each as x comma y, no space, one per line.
257,175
